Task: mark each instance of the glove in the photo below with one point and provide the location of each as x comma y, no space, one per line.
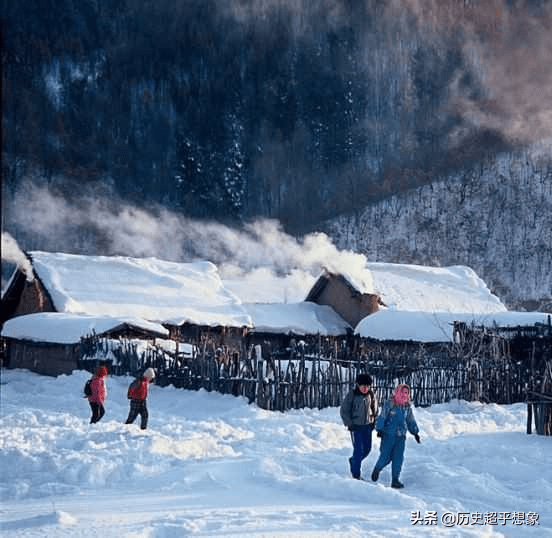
417,437
380,434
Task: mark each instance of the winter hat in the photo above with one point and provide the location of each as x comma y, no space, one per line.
364,379
149,374
101,371
401,395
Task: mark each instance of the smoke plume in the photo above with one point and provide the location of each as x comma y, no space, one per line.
104,226
12,253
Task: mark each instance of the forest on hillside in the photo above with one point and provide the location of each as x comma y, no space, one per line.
497,220
290,110
233,110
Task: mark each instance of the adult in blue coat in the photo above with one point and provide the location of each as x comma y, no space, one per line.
358,412
395,420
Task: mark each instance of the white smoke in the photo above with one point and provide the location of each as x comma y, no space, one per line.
101,225
12,253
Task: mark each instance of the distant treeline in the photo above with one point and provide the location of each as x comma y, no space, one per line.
233,110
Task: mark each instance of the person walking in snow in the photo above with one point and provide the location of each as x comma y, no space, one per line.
358,412
395,419
99,393
138,394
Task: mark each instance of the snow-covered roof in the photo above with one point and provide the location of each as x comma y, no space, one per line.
297,318
64,328
98,293
142,288
400,286
105,291
436,326
433,289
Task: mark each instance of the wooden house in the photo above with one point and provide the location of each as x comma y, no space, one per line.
50,343
182,299
277,325
337,291
24,295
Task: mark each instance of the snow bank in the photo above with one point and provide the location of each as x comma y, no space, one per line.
212,465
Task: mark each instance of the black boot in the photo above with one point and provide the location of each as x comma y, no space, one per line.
375,474
356,476
396,483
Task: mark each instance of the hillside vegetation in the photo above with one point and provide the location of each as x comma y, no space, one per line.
496,219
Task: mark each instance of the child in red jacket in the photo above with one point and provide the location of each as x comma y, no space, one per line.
138,394
99,392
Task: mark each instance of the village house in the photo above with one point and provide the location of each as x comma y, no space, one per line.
76,310
189,303
339,292
51,343
143,298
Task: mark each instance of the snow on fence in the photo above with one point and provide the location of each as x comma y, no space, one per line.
479,367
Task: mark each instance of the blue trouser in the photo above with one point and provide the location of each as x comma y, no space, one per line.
392,450
362,444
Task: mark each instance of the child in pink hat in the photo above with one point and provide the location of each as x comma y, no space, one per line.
395,420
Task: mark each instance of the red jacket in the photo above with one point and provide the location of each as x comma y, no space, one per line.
140,393
99,392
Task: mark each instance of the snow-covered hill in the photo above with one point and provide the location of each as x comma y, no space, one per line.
497,221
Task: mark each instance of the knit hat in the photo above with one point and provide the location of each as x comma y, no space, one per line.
364,379
149,374
401,395
101,371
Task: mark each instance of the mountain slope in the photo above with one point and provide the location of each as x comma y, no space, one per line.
497,220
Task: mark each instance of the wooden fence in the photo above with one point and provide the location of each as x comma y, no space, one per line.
317,376
539,404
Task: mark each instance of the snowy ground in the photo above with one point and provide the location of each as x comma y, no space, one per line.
212,465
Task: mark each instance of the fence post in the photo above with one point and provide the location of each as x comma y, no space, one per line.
259,391
531,387
276,392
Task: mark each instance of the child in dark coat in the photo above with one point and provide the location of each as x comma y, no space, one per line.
358,412
99,393
395,420
138,398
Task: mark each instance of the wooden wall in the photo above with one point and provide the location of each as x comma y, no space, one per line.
352,307
34,299
43,358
